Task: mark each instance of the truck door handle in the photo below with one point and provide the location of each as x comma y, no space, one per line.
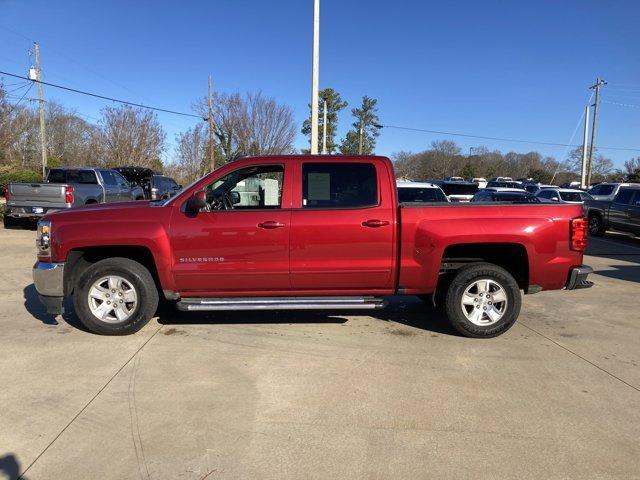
374,223
271,224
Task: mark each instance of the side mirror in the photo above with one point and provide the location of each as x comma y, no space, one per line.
197,201
555,199
235,197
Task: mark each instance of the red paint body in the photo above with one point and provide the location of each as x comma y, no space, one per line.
296,251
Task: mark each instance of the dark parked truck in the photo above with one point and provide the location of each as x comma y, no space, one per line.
622,213
155,185
303,233
65,188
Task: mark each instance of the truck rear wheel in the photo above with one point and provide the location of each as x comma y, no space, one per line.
115,296
483,300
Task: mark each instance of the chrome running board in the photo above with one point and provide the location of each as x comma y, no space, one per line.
280,303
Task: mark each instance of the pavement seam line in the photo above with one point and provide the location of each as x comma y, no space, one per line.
581,357
21,476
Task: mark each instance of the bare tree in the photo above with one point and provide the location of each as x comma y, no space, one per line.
131,136
254,125
190,160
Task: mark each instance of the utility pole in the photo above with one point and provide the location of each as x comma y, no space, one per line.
596,87
360,138
43,138
324,128
212,150
585,143
315,77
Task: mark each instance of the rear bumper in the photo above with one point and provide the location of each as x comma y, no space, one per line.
48,279
28,212
578,278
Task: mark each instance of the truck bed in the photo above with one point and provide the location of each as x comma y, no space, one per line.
429,231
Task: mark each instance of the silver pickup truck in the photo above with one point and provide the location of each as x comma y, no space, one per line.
64,188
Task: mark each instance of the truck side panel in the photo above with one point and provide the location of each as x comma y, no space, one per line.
544,232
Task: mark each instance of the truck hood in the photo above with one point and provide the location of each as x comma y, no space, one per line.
88,212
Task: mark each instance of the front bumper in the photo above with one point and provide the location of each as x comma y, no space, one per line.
48,279
578,278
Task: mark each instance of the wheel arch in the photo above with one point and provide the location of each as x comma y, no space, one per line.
79,259
513,257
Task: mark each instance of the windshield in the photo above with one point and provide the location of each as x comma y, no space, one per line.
420,195
574,196
460,188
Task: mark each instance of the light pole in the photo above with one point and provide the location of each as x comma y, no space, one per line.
315,67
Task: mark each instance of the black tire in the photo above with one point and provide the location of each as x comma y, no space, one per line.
136,275
465,277
9,222
596,225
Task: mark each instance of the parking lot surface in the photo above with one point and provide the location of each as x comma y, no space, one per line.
396,394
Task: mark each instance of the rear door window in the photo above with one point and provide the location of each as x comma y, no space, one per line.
339,185
57,176
624,196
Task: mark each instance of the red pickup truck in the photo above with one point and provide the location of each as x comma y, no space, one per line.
301,233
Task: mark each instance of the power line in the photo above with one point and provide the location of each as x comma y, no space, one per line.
501,139
125,102
621,104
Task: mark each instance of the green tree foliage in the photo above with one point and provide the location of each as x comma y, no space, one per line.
334,105
366,121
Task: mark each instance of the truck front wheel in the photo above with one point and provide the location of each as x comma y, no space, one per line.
115,296
483,300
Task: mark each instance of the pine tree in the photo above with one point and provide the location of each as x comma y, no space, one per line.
334,105
367,121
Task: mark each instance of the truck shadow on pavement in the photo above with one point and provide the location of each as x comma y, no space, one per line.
409,311
10,467
36,309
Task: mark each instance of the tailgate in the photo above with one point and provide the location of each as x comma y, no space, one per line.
37,194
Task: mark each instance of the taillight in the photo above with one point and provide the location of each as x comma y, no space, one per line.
579,234
68,194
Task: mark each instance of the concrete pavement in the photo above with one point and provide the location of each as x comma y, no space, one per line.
313,395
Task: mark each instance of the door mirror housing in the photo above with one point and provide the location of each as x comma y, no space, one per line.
197,201
235,197
555,199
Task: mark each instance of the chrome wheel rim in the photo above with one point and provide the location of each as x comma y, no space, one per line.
484,302
594,224
112,299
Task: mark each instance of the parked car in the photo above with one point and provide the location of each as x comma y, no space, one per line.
64,188
501,179
420,192
458,191
534,188
312,233
155,185
504,195
454,179
482,182
607,191
504,184
563,195
622,213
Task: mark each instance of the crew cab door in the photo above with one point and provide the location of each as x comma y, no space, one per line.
240,241
342,231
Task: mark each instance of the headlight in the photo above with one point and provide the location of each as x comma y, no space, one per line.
43,238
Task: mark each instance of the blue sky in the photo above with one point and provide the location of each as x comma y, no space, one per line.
517,69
